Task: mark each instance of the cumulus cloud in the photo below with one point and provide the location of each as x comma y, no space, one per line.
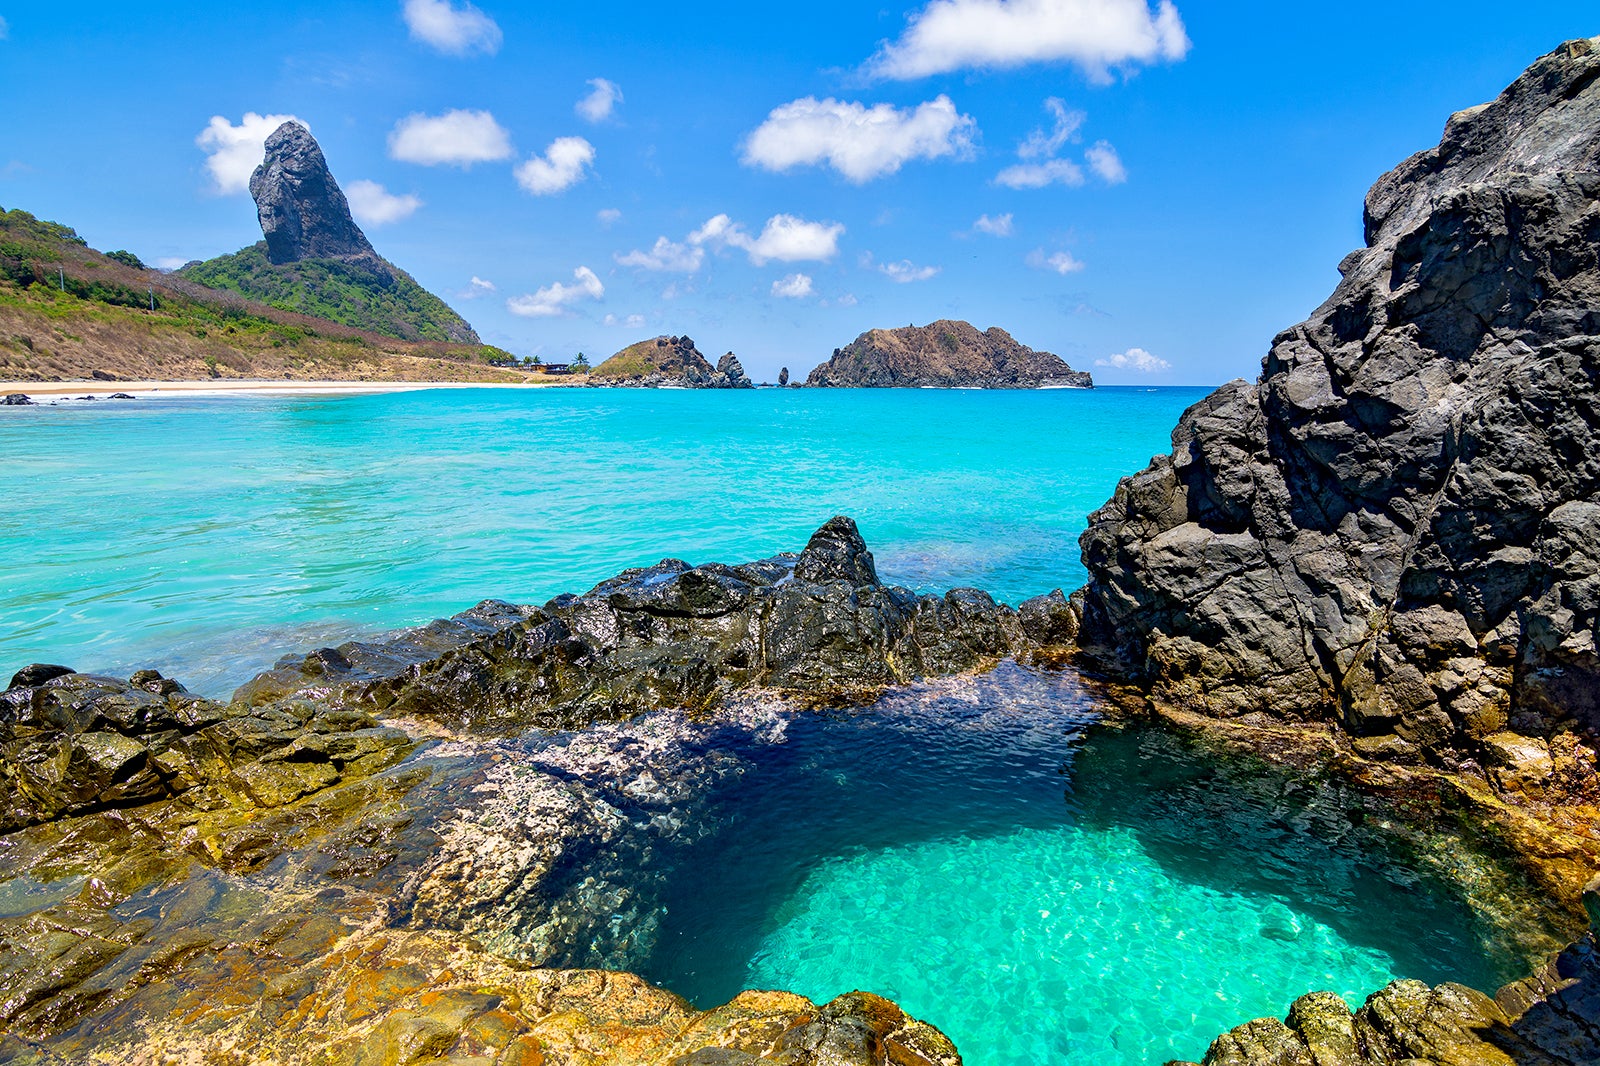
477,287
373,205
1104,161
555,299
906,271
1096,35
455,138
1060,262
171,262
999,226
1044,144
608,216
665,255
1135,359
859,142
560,168
234,152
786,238
1039,175
603,98
631,321
452,29
793,286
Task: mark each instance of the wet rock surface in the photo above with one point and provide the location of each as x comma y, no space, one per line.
818,625
945,354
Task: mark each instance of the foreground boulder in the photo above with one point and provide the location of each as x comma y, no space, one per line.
1395,528
945,354
819,625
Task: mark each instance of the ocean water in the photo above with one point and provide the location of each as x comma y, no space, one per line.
206,536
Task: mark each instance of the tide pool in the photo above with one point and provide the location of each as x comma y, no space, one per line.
206,536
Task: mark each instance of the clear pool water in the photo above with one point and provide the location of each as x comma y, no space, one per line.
205,537
1042,890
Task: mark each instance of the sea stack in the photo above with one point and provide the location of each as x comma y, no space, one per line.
303,212
946,354
670,362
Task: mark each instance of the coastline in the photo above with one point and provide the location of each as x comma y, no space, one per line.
263,387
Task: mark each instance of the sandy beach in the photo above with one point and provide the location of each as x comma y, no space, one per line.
233,387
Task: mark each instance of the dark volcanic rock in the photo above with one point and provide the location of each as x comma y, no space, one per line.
16,399
669,362
818,625
303,213
783,376
1396,527
945,354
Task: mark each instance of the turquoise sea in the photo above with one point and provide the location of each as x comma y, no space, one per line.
1043,891
205,537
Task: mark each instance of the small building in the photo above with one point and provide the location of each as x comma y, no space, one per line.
555,368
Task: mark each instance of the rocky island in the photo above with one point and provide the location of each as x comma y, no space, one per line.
669,362
315,260
946,355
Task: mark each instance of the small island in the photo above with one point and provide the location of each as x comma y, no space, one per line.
669,362
947,354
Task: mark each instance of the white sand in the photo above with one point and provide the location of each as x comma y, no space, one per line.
232,387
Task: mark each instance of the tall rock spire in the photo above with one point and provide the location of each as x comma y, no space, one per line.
303,213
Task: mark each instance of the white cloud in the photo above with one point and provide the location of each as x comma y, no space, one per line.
457,138
170,262
373,205
1060,262
456,31
5,34
793,286
786,238
1044,145
553,300
859,142
631,321
906,271
847,300
234,152
665,255
608,216
476,288
999,226
1096,35
1104,161
560,168
603,98
1039,175
1135,359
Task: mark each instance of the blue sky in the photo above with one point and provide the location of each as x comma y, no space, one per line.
1150,190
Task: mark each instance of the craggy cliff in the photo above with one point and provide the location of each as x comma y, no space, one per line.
945,354
670,361
1396,526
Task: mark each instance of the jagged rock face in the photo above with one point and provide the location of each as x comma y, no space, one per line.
1397,525
304,214
783,376
946,354
819,625
670,361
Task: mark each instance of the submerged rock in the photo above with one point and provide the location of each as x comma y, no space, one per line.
945,354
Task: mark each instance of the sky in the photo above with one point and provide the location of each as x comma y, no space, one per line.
1150,190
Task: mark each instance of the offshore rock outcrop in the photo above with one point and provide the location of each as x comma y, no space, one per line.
945,354
670,362
303,212
818,626
1395,527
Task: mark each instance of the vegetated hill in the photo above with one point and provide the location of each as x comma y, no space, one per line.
316,261
67,311
670,361
946,354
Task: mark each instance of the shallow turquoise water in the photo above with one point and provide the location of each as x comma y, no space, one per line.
1044,890
205,537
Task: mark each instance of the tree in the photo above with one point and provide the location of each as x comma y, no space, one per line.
536,361
581,363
